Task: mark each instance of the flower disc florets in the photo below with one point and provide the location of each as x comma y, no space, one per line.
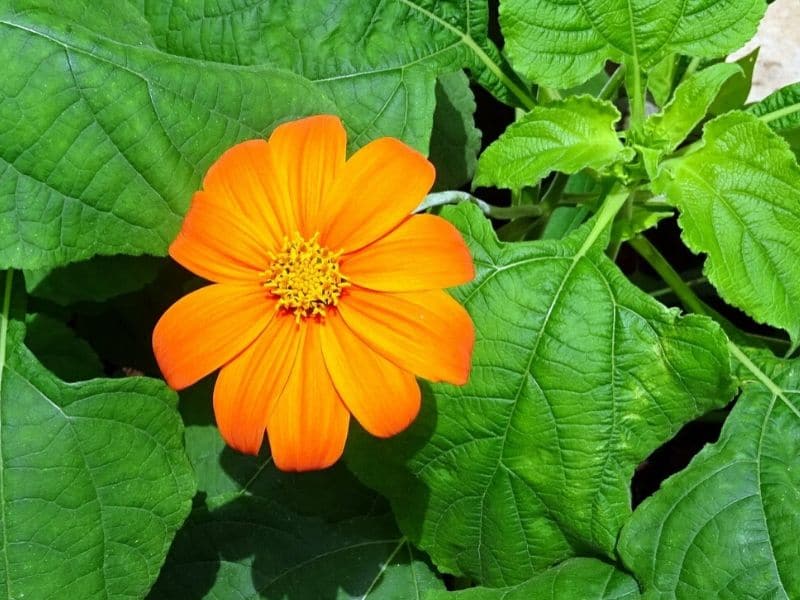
305,277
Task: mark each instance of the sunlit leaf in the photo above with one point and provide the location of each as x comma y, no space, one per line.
561,44
104,140
689,105
566,136
726,526
376,60
584,578
739,197
577,377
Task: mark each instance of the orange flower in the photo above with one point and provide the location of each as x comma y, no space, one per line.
327,297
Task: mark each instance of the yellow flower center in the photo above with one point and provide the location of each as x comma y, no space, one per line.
305,277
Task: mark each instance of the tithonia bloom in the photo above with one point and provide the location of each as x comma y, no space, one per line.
327,296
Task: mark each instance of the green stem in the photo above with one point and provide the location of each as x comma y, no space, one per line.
692,67
611,205
613,84
616,242
635,95
497,212
668,290
508,213
547,94
555,190
670,276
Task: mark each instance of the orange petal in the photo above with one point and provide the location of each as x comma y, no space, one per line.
309,153
382,396
218,244
379,187
424,253
427,333
245,180
207,328
248,386
308,425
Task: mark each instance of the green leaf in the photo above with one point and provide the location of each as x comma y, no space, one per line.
104,140
561,44
568,135
94,280
726,526
577,377
256,532
739,197
781,111
641,219
60,350
734,92
564,220
661,79
94,480
455,141
584,578
377,60
689,105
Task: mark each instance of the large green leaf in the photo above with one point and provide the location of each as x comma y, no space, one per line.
781,111
692,99
577,377
561,44
104,139
94,481
567,136
377,60
739,197
584,578
726,527
256,532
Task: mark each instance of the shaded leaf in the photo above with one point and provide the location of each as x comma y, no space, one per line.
577,376
60,350
726,527
94,280
739,197
455,141
256,532
584,578
567,136
94,482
